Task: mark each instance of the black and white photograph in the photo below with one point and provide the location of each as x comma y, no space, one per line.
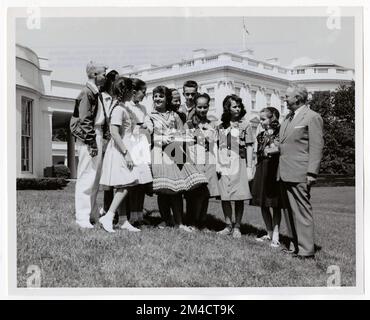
187,148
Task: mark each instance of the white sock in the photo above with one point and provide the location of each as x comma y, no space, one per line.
275,236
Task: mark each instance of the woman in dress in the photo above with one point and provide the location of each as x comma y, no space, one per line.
171,177
119,170
203,155
140,149
234,165
265,187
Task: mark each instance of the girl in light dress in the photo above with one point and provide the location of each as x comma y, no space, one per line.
171,176
234,165
119,169
140,150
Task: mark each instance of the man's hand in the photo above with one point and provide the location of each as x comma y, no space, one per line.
310,181
93,151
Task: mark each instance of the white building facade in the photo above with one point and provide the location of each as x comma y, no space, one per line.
45,105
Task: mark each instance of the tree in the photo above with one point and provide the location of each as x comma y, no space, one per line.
338,112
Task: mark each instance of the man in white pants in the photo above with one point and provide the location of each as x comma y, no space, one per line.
87,125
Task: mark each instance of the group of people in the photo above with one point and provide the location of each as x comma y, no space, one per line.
179,154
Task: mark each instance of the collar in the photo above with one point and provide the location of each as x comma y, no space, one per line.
106,96
298,110
92,86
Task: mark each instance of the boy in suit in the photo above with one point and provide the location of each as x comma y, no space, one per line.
190,89
301,145
86,125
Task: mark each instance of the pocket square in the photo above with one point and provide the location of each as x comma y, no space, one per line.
298,127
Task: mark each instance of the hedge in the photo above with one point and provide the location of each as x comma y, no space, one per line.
41,183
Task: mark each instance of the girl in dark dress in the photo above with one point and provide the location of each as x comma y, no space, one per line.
265,187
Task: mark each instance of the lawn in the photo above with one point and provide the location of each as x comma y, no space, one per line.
70,257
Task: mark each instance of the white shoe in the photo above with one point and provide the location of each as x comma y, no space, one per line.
236,233
275,244
128,226
185,228
85,225
107,223
226,231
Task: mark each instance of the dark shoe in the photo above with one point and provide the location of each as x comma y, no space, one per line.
116,218
162,225
304,257
136,224
289,252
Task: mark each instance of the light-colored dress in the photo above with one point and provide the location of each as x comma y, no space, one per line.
114,171
171,173
140,138
232,142
203,152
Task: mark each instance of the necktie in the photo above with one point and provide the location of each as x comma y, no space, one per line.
290,115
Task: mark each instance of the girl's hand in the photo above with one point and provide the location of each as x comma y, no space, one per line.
167,139
129,162
250,173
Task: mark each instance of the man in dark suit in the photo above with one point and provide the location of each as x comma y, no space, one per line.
301,145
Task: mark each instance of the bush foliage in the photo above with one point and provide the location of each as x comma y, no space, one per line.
61,171
41,183
338,112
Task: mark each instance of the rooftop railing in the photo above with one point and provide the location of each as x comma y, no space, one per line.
247,63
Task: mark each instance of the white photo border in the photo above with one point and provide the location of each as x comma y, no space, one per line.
183,293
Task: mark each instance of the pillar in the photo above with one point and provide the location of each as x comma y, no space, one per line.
71,158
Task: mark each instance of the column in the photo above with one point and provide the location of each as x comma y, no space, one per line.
246,97
71,159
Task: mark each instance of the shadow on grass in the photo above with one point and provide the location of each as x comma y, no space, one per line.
216,224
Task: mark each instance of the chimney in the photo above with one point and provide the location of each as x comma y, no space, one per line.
248,53
127,69
274,61
199,53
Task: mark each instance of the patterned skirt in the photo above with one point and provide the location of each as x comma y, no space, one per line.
169,178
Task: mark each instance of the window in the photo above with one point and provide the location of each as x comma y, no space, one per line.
26,143
212,104
282,106
301,71
211,91
321,70
341,71
268,99
237,91
253,99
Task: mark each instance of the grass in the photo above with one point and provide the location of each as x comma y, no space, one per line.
70,257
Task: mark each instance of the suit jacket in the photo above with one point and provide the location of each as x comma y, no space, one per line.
83,120
188,113
301,145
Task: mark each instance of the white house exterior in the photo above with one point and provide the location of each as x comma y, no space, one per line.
45,104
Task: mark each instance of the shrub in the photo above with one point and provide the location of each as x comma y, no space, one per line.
41,183
61,171
338,112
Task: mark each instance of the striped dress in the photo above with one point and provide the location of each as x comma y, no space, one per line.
171,173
